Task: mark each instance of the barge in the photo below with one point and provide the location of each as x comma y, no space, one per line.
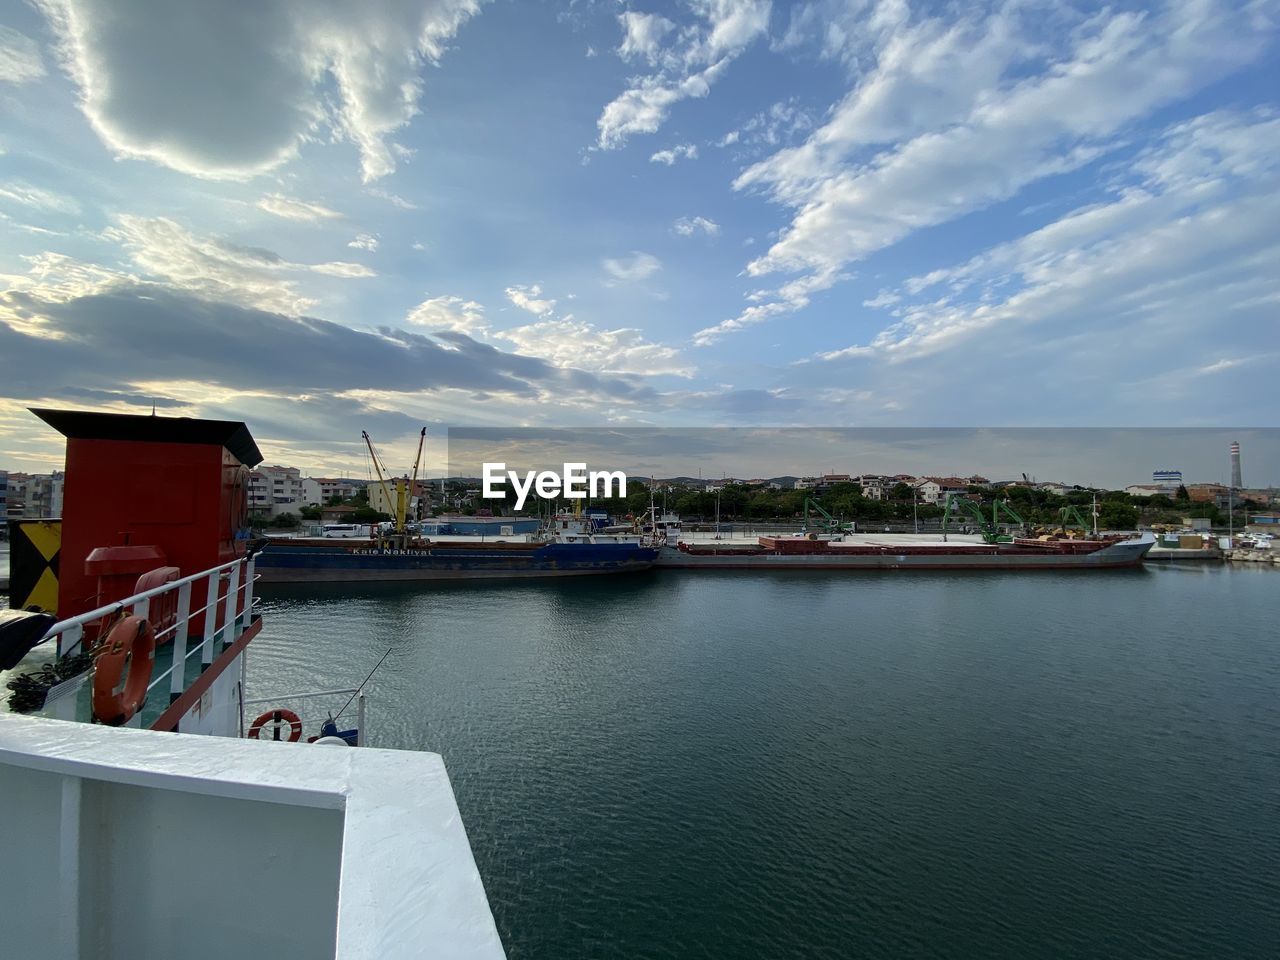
837,553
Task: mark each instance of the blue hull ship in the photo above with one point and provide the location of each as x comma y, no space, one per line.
330,561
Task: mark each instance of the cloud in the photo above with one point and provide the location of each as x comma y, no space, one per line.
576,343
449,313
782,121
20,60
643,33
979,121
391,198
364,241
698,55
1183,247
687,150
37,198
199,341
219,269
639,266
527,298
788,298
688,226
229,92
293,209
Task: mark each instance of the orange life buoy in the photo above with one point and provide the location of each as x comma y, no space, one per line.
277,717
132,640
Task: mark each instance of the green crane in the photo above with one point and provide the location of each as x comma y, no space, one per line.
828,522
989,527
1071,514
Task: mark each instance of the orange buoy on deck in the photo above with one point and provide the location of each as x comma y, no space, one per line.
131,640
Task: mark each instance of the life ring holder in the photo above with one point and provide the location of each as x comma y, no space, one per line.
131,640
277,717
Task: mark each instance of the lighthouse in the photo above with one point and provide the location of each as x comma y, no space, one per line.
1236,482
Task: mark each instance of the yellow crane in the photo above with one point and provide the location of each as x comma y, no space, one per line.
405,489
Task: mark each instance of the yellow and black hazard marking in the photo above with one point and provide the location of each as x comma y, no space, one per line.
33,564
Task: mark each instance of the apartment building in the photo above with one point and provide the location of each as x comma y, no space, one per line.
318,491
275,490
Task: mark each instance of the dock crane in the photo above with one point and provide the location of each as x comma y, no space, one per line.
1071,514
989,527
828,522
404,488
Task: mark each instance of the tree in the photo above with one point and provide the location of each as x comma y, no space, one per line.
1115,515
901,491
311,513
285,521
1182,493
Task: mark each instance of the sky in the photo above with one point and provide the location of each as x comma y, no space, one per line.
323,217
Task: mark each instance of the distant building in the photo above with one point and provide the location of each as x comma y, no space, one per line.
806,483
938,489
419,498
1144,490
320,490
1167,480
275,490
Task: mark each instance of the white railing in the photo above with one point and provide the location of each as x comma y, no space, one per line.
236,605
356,693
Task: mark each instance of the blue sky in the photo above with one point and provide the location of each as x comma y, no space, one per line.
322,217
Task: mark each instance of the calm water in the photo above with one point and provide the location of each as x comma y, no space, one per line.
812,765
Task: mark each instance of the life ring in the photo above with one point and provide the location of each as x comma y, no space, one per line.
131,639
277,717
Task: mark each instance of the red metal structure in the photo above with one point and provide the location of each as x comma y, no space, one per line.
175,484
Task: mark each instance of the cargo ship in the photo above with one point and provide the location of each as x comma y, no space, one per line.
837,553
398,554
339,561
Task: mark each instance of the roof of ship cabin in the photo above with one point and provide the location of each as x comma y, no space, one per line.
91,425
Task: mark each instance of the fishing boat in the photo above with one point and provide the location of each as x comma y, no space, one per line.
399,554
152,813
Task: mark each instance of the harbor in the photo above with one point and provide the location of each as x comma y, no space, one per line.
804,764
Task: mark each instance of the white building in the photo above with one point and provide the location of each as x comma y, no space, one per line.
275,490
806,483
938,489
317,491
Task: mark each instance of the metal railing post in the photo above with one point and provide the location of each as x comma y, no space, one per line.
360,720
232,631
248,588
69,639
210,618
178,676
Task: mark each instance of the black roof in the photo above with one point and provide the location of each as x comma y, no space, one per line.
88,425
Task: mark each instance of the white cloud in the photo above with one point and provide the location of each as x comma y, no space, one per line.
37,198
576,343
228,92
391,198
790,297
217,269
20,60
639,266
979,125
528,298
1182,250
688,226
364,241
687,150
292,209
449,313
643,33
782,121
698,55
